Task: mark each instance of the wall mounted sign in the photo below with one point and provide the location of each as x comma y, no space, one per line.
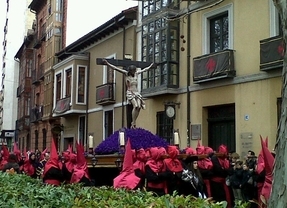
196,131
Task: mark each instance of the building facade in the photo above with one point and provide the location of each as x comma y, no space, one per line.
18,21
228,62
218,78
89,97
48,38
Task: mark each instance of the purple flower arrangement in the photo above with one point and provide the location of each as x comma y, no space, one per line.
140,138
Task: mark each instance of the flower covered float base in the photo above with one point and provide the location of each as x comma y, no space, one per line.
140,138
109,151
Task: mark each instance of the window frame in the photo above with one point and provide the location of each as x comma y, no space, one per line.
44,131
274,20
161,115
56,85
206,26
105,71
104,120
66,71
156,78
85,85
36,139
162,4
107,108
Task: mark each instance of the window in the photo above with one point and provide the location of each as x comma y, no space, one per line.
29,62
44,138
218,29
110,75
28,142
58,86
27,106
109,123
81,95
68,82
36,139
156,47
164,127
156,5
58,10
275,21
219,33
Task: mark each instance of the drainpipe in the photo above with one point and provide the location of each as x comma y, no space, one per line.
87,101
188,78
123,78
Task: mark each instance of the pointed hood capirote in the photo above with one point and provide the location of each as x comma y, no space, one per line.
16,151
5,152
260,160
128,158
81,168
127,178
42,157
269,162
198,143
81,160
53,162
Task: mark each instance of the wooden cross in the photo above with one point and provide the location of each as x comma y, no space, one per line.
124,63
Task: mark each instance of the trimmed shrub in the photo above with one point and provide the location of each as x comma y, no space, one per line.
20,191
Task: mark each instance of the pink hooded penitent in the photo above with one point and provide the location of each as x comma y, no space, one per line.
269,162
81,168
127,178
16,151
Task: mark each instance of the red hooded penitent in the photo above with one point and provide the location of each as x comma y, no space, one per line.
54,159
269,162
172,163
81,168
127,178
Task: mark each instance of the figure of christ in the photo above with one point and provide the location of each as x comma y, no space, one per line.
133,95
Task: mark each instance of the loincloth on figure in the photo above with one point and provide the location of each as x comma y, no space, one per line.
135,95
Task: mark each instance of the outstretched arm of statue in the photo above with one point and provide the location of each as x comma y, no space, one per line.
115,68
153,65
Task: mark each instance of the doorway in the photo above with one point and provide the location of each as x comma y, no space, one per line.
221,127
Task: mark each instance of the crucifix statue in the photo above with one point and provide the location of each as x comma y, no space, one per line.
131,71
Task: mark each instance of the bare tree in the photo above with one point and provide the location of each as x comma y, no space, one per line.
278,196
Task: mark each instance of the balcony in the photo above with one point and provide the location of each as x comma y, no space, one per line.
62,105
105,94
36,114
35,79
213,66
37,44
271,53
23,123
40,74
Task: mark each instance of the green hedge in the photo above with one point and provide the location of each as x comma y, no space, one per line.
22,191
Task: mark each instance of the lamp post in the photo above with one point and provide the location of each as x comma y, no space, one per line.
119,163
94,161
